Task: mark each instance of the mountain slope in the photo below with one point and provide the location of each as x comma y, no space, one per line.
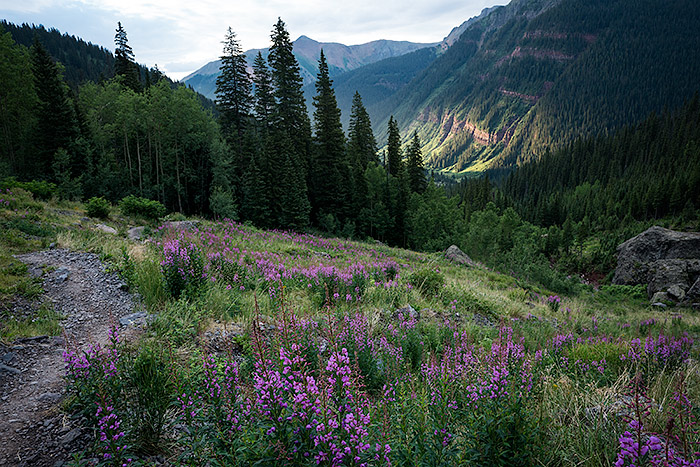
538,73
341,58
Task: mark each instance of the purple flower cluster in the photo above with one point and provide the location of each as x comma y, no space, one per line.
341,269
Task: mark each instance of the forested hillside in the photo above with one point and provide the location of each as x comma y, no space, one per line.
537,74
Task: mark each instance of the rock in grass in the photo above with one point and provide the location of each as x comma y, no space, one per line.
106,229
454,254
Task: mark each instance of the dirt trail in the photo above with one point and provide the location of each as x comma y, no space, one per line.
33,430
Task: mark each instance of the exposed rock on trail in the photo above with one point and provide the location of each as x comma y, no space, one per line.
667,261
32,429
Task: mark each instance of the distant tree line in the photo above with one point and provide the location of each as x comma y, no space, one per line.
258,158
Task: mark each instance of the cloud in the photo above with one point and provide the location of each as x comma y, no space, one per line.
182,35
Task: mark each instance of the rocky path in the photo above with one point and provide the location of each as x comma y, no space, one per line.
33,429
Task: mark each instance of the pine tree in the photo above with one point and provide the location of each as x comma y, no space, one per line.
362,145
393,150
56,124
362,150
414,166
124,64
264,99
289,116
289,151
233,86
256,202
332,181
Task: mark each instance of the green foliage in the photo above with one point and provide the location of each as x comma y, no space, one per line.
503,433
151,380
616,292
142,207
429,280
222,204
97,207
41,189
178,322
183,270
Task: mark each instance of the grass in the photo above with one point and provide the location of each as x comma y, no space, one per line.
43,322
259,280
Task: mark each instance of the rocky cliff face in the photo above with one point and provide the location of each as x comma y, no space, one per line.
667,261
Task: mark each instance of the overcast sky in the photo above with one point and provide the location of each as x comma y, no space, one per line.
180,36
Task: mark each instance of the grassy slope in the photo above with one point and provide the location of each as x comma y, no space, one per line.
468,298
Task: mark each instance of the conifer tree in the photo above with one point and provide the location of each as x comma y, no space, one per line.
256,202
362,145
291,136
124,64
56,124
289,115
362,150
393,150
332,182
414,166
233,87
264,100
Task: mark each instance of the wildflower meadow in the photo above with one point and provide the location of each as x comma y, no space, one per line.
277,348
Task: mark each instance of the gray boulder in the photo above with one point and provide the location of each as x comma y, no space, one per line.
106,229
454,254
666,260
136,233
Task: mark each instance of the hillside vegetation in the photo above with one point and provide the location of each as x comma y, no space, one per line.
537,74
277,347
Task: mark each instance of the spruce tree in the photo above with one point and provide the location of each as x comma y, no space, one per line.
362,145
362,150
124,64
233,85
56,124
393,150
414,166
291,136
332,184
289,116
256,202
264,100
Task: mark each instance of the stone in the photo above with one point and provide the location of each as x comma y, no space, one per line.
676,293
140,318
454,254
409,312
50,397
106,229
180,225
634,257
8,357
659,297
136,233
9,369
659,305
693,293
665,260
62,274
71,436
665,274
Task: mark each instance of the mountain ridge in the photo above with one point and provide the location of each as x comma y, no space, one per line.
340,57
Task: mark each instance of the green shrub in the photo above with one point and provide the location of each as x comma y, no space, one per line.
142,207
429,281
97,207
502,433
40,189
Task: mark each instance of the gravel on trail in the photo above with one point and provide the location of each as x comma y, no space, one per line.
33,429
